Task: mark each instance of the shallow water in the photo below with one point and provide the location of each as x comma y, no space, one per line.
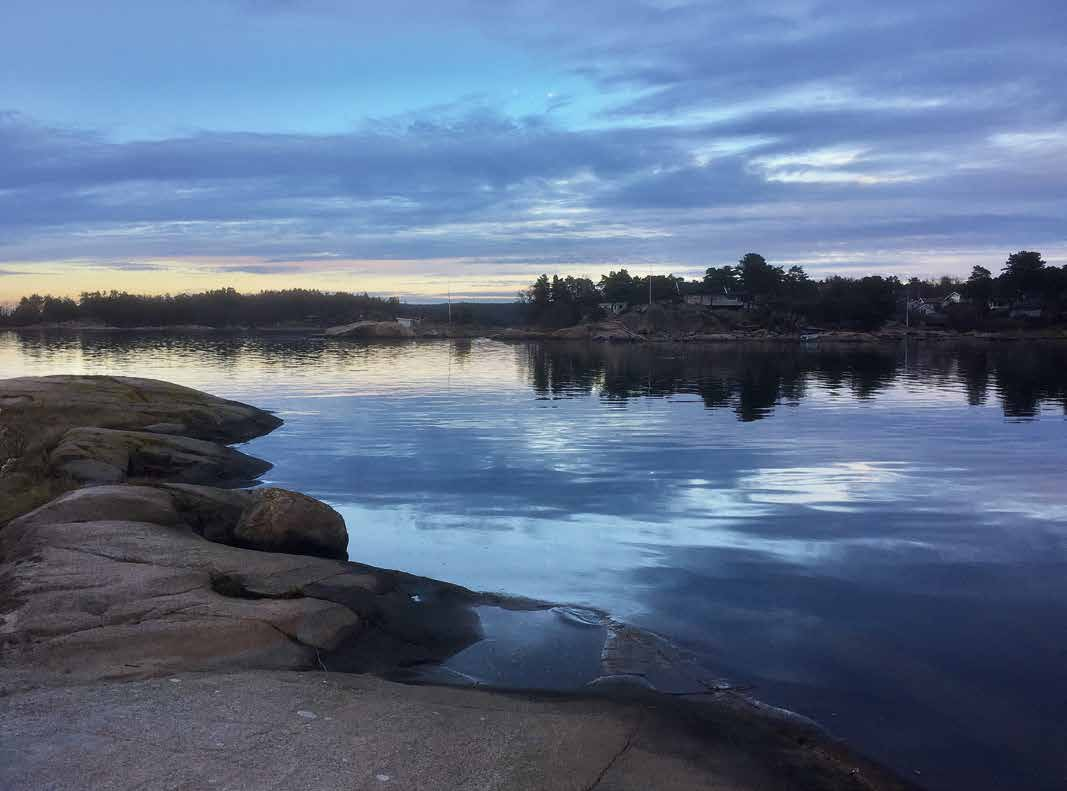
873,537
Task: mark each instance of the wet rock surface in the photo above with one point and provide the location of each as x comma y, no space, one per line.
272,730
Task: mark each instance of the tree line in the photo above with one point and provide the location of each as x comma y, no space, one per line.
790,295
218,308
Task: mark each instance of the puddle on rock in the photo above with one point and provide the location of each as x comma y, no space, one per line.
567,649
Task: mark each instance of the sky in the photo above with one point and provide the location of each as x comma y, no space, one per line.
422,147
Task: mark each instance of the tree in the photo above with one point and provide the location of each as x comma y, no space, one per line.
664,287
720,280
28,311
758,278
618,287
540,293
797,286
1023,273
866,303
979,287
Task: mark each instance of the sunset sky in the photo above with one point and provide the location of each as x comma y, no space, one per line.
415,146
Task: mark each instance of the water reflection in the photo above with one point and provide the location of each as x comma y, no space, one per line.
752,380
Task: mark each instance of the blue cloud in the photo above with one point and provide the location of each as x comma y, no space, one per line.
677,132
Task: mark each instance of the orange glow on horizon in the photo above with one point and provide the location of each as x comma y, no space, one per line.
411,280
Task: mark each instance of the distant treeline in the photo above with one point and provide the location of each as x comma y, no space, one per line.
220,308
779,295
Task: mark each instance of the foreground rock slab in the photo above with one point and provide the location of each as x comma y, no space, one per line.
262,730
60,432
120,581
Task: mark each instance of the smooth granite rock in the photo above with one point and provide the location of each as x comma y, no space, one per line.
371,329
274,731
284,521
64,402
38,413
119,580
104,455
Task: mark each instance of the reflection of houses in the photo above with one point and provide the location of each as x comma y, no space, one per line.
614,308
714,301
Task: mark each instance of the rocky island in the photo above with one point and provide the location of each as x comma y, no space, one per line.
163,627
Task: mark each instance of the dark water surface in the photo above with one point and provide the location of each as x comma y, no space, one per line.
873,537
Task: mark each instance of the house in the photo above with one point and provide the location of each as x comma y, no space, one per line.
714,301
614,308
406,322
926,307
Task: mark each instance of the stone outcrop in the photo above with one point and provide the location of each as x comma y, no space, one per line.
371,329
104,455
120,580
57,403
520,334
59,432
282,521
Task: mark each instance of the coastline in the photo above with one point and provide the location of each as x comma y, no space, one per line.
308,610
600,332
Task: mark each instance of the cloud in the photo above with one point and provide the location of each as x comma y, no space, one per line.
133,266
261,269
694,131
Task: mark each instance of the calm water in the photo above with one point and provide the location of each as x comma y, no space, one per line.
876,538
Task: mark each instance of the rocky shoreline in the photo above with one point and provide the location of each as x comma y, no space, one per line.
161,627
608,331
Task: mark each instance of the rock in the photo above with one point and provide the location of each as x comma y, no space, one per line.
167,428
210,511
101,455
114,581
519,334
615,334
105,503
371,329
284,521
251,730
575,333
58,403
270,520
113,598
36,413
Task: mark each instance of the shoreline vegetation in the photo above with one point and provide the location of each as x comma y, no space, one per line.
753,300
144,592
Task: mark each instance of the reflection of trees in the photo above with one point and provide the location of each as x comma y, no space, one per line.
747,378
974,372
1026,376
753,380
